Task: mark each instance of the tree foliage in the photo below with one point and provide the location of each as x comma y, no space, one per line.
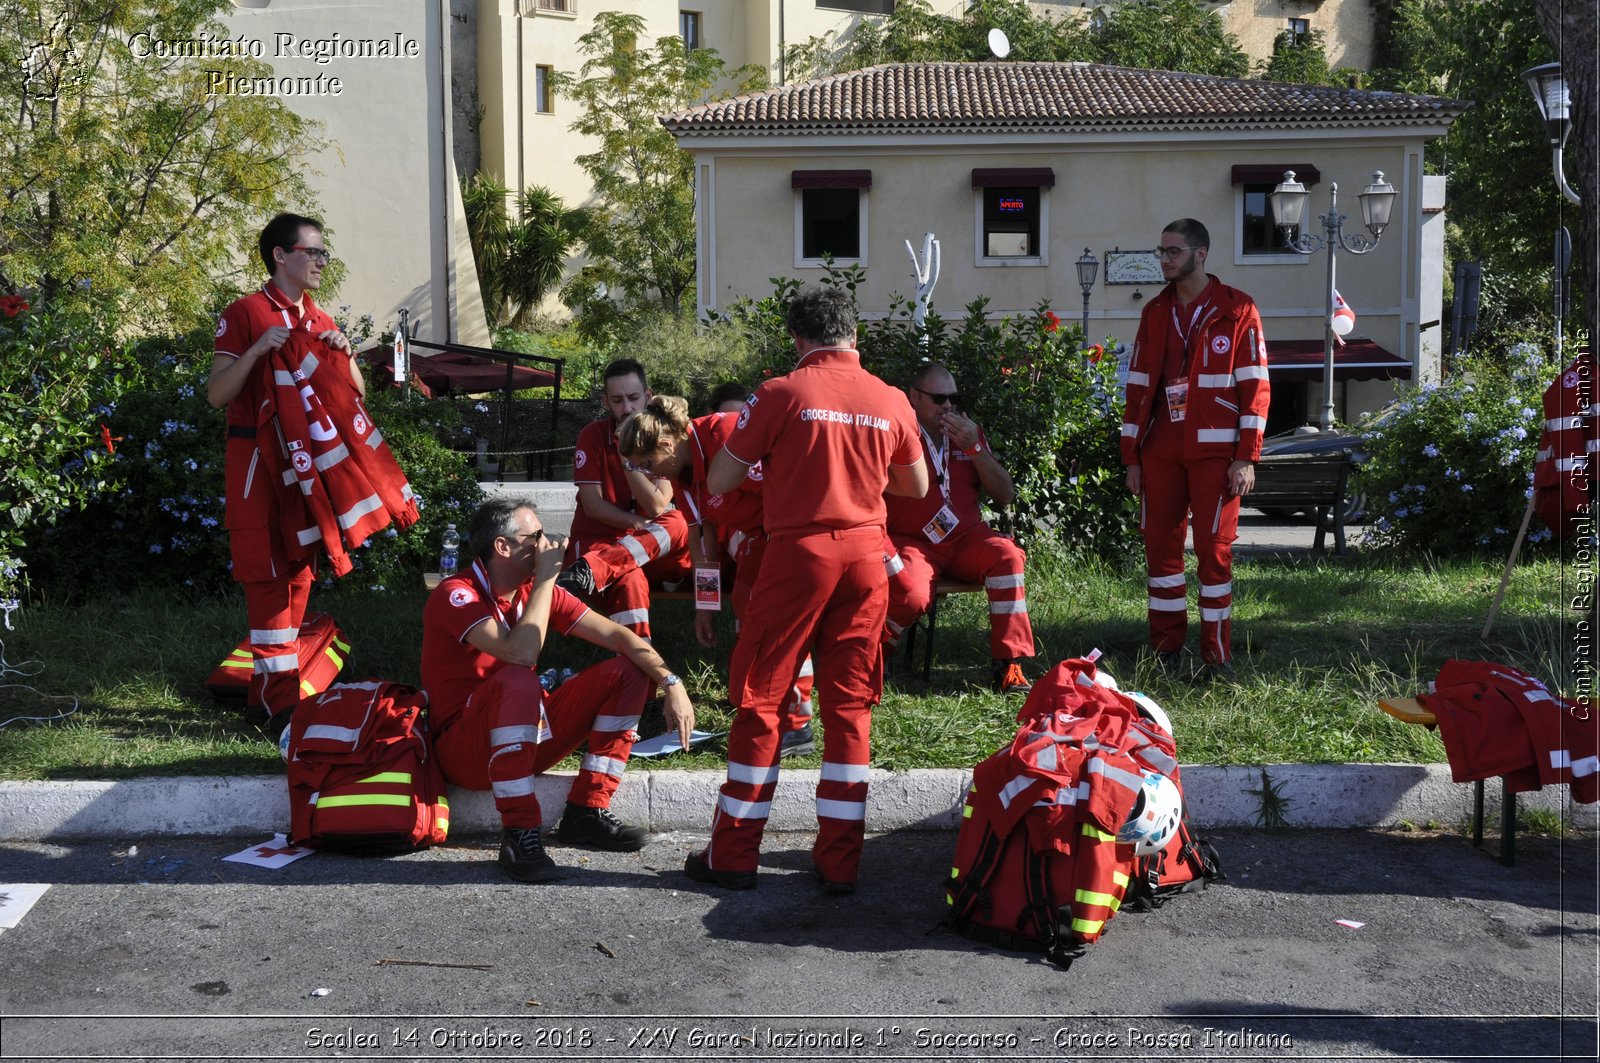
122,175
1171,35
1299,58
520,259
640,235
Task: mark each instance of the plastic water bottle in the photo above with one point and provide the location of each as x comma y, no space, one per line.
450,552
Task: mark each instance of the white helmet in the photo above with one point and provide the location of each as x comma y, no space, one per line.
1156,815
1106,679
1151,711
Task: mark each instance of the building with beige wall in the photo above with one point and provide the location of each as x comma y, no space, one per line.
1020,168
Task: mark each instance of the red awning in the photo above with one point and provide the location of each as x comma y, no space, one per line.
456,372
1295,360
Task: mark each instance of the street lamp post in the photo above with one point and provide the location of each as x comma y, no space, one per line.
1088,269
1549,90
1288,202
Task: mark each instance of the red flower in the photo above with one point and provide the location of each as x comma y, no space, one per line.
766,372
1096,352
1051,321
109,440
12,305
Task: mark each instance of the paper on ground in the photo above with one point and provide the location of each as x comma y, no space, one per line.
663,744
273,855
15,900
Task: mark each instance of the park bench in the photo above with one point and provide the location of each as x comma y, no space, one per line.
1412,711
1313,481
928,623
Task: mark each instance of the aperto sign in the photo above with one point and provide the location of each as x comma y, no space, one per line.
1012,205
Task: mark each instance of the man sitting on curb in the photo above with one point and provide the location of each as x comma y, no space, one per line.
944,533
495,728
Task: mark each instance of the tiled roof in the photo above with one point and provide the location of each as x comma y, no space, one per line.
1049,98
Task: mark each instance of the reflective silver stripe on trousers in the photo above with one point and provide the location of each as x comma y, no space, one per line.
513,787
1179,580
604,765
615,723
631,616
744,809
996,583
751,774
1169,605
846,773
830,809
1216,614
1216,590
1018,605
274,634
510,736
278,662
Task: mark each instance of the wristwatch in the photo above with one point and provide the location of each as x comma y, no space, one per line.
670,680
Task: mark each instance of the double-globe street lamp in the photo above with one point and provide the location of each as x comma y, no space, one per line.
1288,203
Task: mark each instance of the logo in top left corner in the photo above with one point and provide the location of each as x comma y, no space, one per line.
45,66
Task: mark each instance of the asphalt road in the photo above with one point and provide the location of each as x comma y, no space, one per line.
168,953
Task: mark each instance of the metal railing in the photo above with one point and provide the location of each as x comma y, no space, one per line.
511,359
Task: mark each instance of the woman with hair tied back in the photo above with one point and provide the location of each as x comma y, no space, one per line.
663,440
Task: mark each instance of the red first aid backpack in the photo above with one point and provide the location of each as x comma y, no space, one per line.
322,650
1186,865
362,775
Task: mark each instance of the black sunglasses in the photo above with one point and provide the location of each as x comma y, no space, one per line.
940,397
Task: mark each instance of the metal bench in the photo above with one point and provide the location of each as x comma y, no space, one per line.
929,621
1410,710
1314,481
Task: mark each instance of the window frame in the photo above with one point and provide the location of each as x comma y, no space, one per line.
863,199
1042,181
1243,178
698,17
544,90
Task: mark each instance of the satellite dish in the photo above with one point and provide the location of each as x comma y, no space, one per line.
999,43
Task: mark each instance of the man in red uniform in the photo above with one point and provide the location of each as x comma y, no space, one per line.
1191,434
835,437
495,728
626,531
944,532
276,588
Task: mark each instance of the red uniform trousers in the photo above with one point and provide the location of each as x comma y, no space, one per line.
625,566
828,591
1173,489
274,610
748,551
511,731
978,555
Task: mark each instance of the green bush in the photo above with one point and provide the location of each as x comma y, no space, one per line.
1449,470
165,527
683,357
58,365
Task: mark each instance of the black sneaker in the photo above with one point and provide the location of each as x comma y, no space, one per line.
1169,660
1221,672
522,856
599,828
834,889
577,578
797,743
695,866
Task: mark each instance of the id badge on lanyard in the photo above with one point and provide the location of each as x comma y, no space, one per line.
1178,388
1177,398
944,522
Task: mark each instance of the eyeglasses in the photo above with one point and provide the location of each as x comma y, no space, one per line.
940,398
316,254
1173,252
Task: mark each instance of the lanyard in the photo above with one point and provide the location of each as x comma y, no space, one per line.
1183,332
939,458
482,576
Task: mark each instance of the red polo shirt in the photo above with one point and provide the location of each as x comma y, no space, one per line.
828,432
738,510
597,461
452,667
954,481
243,322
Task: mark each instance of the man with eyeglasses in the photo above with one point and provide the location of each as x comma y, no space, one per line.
943,533
1192,426
276,582
496,729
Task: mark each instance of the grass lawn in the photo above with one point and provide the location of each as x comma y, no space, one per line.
1318,641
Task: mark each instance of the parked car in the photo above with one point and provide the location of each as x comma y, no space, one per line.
1309,440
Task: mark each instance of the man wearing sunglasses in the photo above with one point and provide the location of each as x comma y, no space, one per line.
943,533
276,585
1192,425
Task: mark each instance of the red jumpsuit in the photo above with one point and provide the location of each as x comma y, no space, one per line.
737,516
1185,446
494,726
623,563
970,551
828,431
276,588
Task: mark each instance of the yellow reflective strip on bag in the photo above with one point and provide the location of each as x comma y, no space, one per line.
306,689
338,662
955,872
444,802
353,800
1087,926
966,813
1090,830
402,777
1115,906
1104,900
246,663
344,647
1120,879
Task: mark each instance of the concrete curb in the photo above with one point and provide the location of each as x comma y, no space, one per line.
1319,796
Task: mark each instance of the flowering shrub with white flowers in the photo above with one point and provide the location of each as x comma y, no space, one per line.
162,524
1450,470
